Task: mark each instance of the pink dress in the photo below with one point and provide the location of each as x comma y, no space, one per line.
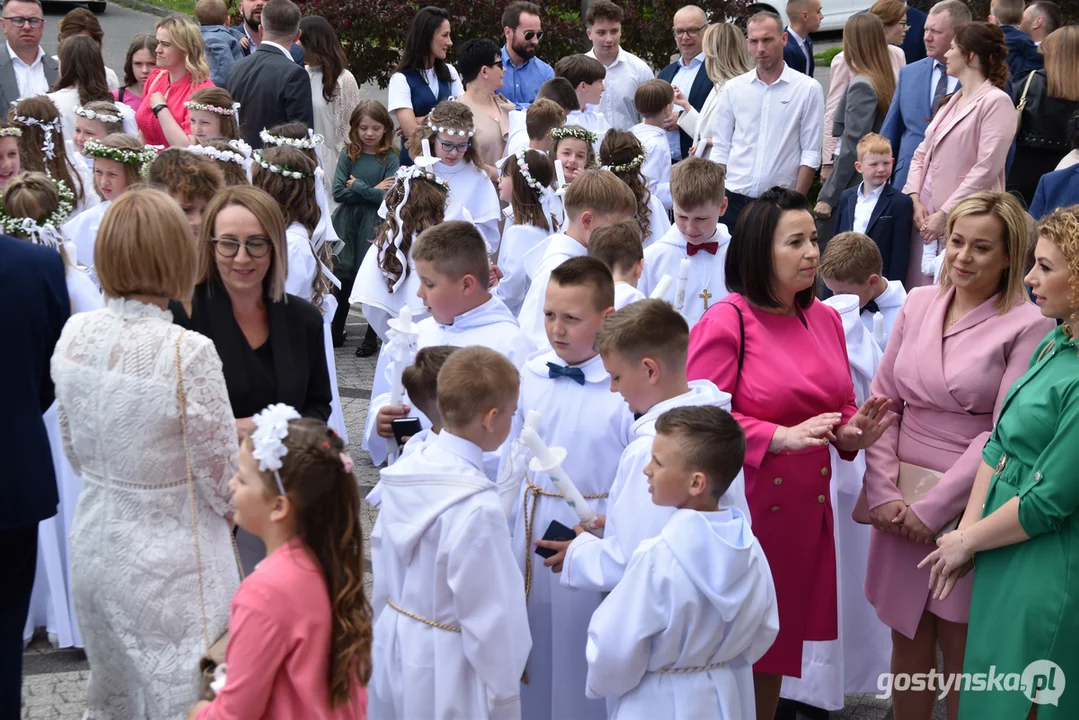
279,646
176,94
795,367
947,388
130,99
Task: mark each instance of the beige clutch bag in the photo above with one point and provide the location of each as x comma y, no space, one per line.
914,482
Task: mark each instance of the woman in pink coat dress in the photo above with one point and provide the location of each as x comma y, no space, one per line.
966,145
782,356
954,352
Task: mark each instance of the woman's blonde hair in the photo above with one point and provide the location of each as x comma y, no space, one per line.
187,37
268,213
725,53
865,49
890,12
145,247
1017,230
1061,227
1061,51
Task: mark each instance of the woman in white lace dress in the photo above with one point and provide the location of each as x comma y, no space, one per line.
137,588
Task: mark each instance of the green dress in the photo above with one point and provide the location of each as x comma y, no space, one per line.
1025,602
357,217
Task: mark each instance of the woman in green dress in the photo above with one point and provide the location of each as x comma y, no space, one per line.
365,171
1021,523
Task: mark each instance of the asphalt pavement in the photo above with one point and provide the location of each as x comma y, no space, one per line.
119,23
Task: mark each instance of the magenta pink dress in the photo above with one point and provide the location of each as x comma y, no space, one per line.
947,388
176,94
795,368
278,656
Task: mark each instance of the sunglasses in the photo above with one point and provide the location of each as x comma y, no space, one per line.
529,34
255,247
497,64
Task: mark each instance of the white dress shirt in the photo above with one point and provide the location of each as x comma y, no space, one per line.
764,133
863,207
683,80
400,95
30,78
624,76
934,78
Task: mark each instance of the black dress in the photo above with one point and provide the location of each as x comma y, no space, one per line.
1042,141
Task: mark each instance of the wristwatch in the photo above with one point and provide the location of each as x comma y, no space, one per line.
159,108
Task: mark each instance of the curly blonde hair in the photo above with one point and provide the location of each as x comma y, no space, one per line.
1061,227
426,208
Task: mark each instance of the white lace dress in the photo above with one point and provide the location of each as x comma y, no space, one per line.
134,577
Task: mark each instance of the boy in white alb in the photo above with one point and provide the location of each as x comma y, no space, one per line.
644,349
450,633
697,235
654,101
568,386
586,74
677,637
452,266
594,198
618,246
851,265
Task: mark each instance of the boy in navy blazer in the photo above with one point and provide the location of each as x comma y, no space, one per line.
805,18
877,209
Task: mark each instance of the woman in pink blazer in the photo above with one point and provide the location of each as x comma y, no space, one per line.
966,145
952,355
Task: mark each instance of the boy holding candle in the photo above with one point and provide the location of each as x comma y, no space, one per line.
569,387
696,246
450,633
678,636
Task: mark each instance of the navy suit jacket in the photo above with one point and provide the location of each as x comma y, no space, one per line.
890,226
33,295
914,42
702,85
796,58
240,32
1057,189
271,90
1023,54
908,116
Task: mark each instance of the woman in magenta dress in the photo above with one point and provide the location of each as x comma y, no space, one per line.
181,70
782,356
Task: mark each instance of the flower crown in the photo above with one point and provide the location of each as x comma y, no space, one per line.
464,132
95,115
234,110
10,132
47,231
522,167
633,164
240,153
411,172
575,132
48,147
141,157
271,428
312,141
282,170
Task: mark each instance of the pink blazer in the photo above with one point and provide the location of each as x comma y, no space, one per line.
964,150
840,77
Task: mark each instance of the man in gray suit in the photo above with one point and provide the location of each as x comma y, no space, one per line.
25,69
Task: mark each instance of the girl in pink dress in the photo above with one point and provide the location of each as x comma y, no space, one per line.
292,653
782,356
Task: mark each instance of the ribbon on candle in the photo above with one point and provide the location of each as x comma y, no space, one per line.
515,468
401,351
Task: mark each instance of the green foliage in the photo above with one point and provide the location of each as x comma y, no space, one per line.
824,59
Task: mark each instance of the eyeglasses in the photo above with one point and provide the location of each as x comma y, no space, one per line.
688,32
529,34
497,64
450,147
255,247
20,21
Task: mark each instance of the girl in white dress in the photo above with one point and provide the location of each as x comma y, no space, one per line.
146,422
299,136
213,115
525,184
42,147
622,153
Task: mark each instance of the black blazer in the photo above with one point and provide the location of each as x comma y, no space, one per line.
271,90
890,226
301,378
796,58
702,85
33,295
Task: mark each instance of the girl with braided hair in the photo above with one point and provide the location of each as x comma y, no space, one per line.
622,153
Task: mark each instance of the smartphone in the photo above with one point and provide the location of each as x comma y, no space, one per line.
404,428
558,532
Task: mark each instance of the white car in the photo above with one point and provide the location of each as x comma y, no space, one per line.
836,12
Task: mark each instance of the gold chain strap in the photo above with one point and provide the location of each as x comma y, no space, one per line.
425,621
678,671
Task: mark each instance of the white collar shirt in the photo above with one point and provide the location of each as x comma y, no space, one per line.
624,76
863,207
281,48
30,78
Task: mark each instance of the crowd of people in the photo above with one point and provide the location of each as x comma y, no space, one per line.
663,438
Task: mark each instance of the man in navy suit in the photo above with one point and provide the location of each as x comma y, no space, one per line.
922,86
248,31
1057,189
688,73
33,295
805,17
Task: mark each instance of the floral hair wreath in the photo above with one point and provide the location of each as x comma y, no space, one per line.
11,132
47,231
141,157
312,141
240,153
463,132
282,170
95,115
52,126
626,167
522,167
411,172
234,110
577,133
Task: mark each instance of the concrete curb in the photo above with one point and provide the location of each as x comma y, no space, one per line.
143,7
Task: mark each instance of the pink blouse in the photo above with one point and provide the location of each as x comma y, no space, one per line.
130,99
279,646
176,94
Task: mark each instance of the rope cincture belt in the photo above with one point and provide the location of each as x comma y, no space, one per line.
425,621
678,671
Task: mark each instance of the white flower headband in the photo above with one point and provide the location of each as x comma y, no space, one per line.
312,141
44,232
48,146
141,157
271,428
95,115
281,170
470,132
522,167
234,110
10,132
626,167
240,153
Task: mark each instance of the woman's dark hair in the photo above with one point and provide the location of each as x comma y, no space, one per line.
417,52
986,42
561,91
79,21
323,50
142,41
750,265
473,56
82,67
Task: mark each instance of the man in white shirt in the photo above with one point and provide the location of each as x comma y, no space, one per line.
25,70
768,124
688,73
625,71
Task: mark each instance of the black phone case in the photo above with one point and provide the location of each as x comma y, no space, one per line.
558,532
405,427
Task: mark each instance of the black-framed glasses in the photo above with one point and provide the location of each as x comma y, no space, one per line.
20,21
459,147
255,247
497,64
688,32
529,34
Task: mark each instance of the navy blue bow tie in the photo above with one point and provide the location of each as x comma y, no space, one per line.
871,307
557,371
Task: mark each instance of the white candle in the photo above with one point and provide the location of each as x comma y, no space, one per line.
560,172
878,327
683,281
548,461
426,148
662,287
701,146
405,316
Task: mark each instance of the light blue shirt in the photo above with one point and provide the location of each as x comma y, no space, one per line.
520,84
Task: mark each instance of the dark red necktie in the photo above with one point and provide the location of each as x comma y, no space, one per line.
709,247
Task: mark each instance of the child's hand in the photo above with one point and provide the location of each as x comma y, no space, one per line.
348,183
245,43
386,416
681,100
494,276
600,523
385,184
555,561
823,210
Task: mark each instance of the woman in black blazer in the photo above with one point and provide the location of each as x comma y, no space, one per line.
270,343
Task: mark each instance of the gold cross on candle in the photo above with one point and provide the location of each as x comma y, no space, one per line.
706,296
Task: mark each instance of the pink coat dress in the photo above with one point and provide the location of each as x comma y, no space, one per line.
795,367
947,388
964,151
